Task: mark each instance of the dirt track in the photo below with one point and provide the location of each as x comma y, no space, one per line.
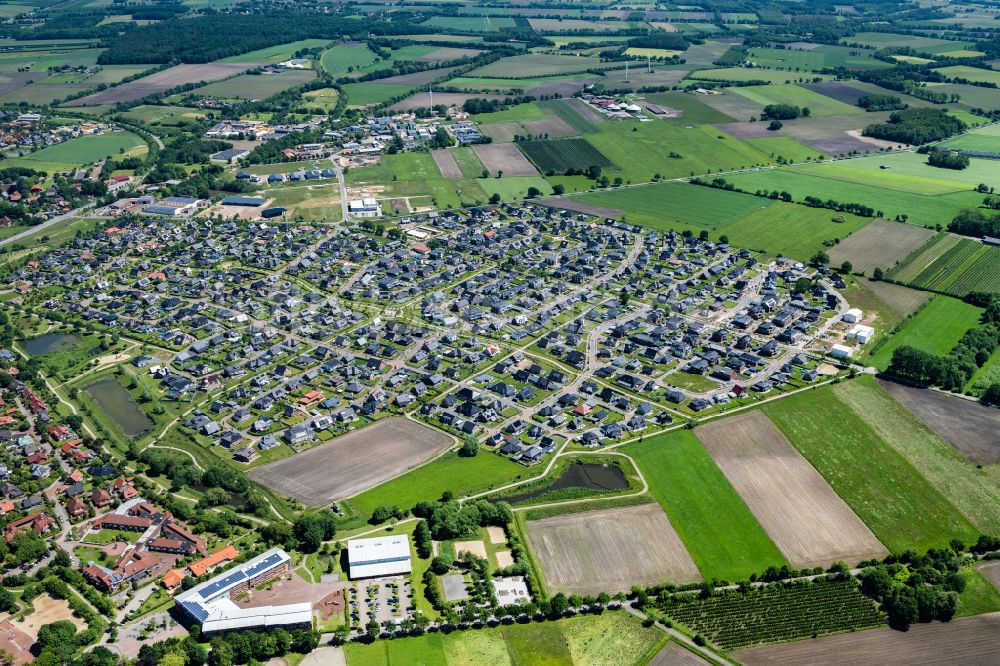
352,463
610,550
966,641
806,519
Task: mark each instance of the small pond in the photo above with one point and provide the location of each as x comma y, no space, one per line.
585,475
116,402
50,342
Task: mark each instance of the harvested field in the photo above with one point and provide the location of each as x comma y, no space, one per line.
448,53
673,654
352,463
901,300
585,111
880,244
476,547
806,519
422,99
161,81
991,572
446,163
610,550
504,157
969,427
581,207
967,640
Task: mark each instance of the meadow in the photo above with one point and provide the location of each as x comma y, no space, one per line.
469,23
532,64
606,639
983,139
785,147
724,539
901,507
86,149
163,115
693,111
819,105
970,74
815,59
346,57
741,74
935,329
374,92
280,53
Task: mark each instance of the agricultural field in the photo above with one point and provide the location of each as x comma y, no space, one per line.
558,155
324,99
346,57
815,58
970,74
969,640
609,639
504,158
936,328
786,147
163,115
374,92
943,437
985,139
275,54
818,104
85,149
724,539
743,74
532,65
255,86
352,463
693,110
816,528
776,613
950,264
609,550
844,449
909,172
162,81
880,244
469,23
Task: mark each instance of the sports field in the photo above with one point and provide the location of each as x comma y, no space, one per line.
609,550
352,463
720,533
934,329
902,508
608,639
794,504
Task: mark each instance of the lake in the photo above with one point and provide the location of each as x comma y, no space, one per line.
579,475
50,342
116,402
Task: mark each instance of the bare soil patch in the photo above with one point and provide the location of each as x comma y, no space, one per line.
610,550
48,610
585,111
477,548
504,157
553,127
881,244
353,463
901,300
504,558
842,92
794,504
673,654
330,605
581,207
967,640
446,163
165,80
496,534
972,429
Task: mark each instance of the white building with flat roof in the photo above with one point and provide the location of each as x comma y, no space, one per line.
380,556
364,208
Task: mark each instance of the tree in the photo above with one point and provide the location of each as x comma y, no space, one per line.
775,125
470,449
703,234
384,513
820,259
846,267
802,285
7,600
559,605
724,239
495,198
441,564
533,192
992,394
877,274
558,189
422,540
312,529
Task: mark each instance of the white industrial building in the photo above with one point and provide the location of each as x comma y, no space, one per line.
861,333
841,351
853,316
381,556
210,604
365,208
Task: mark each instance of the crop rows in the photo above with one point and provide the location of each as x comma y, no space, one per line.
776,613
951,264
558,155
910,267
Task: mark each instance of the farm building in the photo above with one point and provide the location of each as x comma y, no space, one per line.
853,316
251,202
861,333
172,206
381,556
230,156
210,604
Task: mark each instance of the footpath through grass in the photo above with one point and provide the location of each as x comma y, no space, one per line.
936,328
901,507
717,528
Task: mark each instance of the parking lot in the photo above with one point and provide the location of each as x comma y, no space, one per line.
384,600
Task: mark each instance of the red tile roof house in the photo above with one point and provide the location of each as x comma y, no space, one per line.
76,507
39,523
100,498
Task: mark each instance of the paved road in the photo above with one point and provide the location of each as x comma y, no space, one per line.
45,225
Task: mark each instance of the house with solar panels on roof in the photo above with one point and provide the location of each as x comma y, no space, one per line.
211,604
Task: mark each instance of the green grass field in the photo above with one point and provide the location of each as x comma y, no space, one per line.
970,73
909,172
974,491
816,59
612,638
514,187
983,139
934,329
279,53
786,147
514,113
469,23
468,162
85,149
163,115
373,92
818,181
720,533
534,64
693,111
979,595
902,508
753,74
341,58
462,476
791,229
819,105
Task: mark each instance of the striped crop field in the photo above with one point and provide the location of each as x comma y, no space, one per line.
951,264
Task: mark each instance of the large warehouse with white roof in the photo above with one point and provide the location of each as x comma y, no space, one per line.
210,604
381,556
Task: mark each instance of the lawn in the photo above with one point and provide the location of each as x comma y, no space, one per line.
974,491
717,528
817,181
596,640
344,57
819,105
902,508
462,476
935,329
677,205
642,150
86,149
979,595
